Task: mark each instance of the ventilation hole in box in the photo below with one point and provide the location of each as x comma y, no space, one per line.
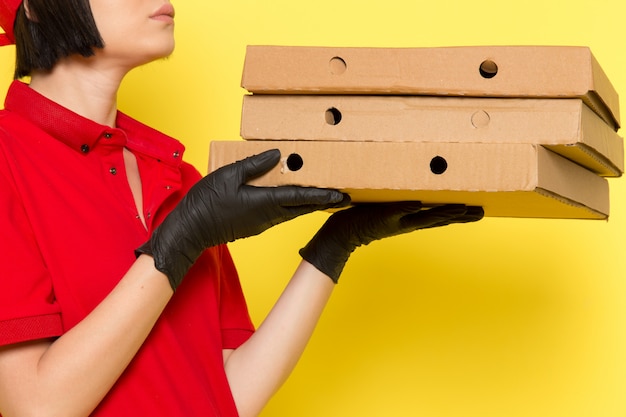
480,119
294,162
488,69
438,165
337,66
333,116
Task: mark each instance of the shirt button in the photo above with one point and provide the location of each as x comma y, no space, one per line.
108,135
113,170
168,187
84,148
176,154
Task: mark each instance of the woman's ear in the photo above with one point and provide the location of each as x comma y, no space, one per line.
29,15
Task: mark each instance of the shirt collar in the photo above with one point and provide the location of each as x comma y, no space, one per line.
82,134
150,141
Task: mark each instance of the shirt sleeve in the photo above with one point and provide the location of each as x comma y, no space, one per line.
237,327
28,309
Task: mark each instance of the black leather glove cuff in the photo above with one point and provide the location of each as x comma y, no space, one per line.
331,268
327,254
175,272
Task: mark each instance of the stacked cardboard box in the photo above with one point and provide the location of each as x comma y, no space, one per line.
521,131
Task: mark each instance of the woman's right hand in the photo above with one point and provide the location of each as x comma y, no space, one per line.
346,230
221,208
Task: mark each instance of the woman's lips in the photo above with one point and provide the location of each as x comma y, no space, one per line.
165,13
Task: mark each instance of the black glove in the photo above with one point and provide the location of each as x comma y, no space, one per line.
348,229
221,208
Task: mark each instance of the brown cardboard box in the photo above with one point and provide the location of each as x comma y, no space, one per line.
471,71
508,180
566,126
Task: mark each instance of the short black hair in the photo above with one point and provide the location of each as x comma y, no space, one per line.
56,29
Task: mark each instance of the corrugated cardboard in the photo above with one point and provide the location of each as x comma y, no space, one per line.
567,126
508,180
472,71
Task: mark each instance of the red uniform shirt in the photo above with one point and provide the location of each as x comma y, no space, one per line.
68,230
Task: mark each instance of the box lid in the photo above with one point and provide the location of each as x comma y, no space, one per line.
567,126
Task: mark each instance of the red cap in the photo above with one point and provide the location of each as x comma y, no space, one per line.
8,10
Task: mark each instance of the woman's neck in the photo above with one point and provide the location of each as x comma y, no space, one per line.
83,89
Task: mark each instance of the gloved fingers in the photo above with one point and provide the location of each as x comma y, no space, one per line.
300,210
399,209
256,165
378,213
452,215
309,208
473,214
294,196
434,217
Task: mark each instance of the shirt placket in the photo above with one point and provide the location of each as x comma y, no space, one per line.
159,187
110,147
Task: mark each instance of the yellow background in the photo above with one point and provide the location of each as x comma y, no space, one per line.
506,317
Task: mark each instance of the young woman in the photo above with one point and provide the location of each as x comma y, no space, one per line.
119,296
